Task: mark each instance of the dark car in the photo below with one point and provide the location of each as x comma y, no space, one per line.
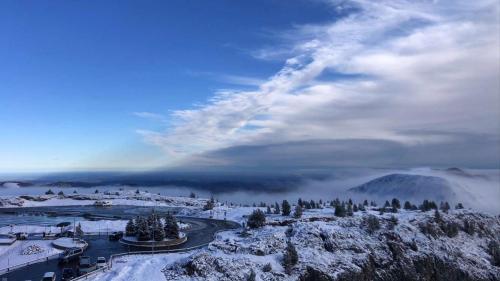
68,273
115,236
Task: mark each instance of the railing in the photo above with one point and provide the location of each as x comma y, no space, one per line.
17,266
87,275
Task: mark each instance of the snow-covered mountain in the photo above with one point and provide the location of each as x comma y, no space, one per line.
408,187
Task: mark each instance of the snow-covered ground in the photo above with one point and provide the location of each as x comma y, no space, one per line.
140,267
339,248
128,197
24,251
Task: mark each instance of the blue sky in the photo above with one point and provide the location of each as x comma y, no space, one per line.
89,85
72,73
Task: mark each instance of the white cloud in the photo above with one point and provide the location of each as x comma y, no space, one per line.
424,65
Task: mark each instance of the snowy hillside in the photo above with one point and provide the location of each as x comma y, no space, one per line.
411,244
408,187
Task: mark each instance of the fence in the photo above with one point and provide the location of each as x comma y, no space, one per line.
8,269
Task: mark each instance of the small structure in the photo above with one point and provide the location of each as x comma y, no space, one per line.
7,239
103,203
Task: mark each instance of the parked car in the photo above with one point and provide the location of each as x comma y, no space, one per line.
68,273
22,236
101,262
49,276
86,265
115,236
70,254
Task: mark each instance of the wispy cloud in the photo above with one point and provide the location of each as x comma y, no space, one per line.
425,65
237,80
151,116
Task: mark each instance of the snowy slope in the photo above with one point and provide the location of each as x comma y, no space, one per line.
408,187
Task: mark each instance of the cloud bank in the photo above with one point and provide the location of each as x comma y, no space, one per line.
386,83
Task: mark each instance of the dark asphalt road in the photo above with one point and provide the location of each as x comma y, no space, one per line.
200,233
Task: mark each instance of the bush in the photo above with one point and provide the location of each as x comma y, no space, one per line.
395,204
290,258
469,227
49,192
256,219
393,221
192,195
60,193
372,224
267,268
494,251
450,229
251,276
298,212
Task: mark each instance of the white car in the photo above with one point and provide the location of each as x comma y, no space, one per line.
101,262
49,276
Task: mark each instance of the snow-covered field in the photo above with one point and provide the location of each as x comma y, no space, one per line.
128,197
140,267
23,251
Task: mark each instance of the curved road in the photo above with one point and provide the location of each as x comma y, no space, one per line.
199,234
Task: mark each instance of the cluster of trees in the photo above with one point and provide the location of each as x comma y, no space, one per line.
210,204
153,227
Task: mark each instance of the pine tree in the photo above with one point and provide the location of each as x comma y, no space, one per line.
285,208
349,210
143,231
290,257
192,195
354,208
268,211
340,210
298,212
256,219
277,210
365,203
459,206
96,191
372,224
130,229
60,193
312,204
49,192
300,203
395,203
407,205
387,204
158,231
171,227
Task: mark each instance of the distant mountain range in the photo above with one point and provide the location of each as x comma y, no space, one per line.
408,187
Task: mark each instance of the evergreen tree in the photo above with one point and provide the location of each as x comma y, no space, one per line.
372,224
312,204
387,204
49,192
307,205
268,211
277,210
130,229
158,231
437,216
365,203
349,210
60,193
340,210
354,208
459,206
298,212
395,203
300,203
349,201
96,191
445,206
256,219
320,202
285,208
407,205
171,227
251,276
143,231
192,195
290,257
